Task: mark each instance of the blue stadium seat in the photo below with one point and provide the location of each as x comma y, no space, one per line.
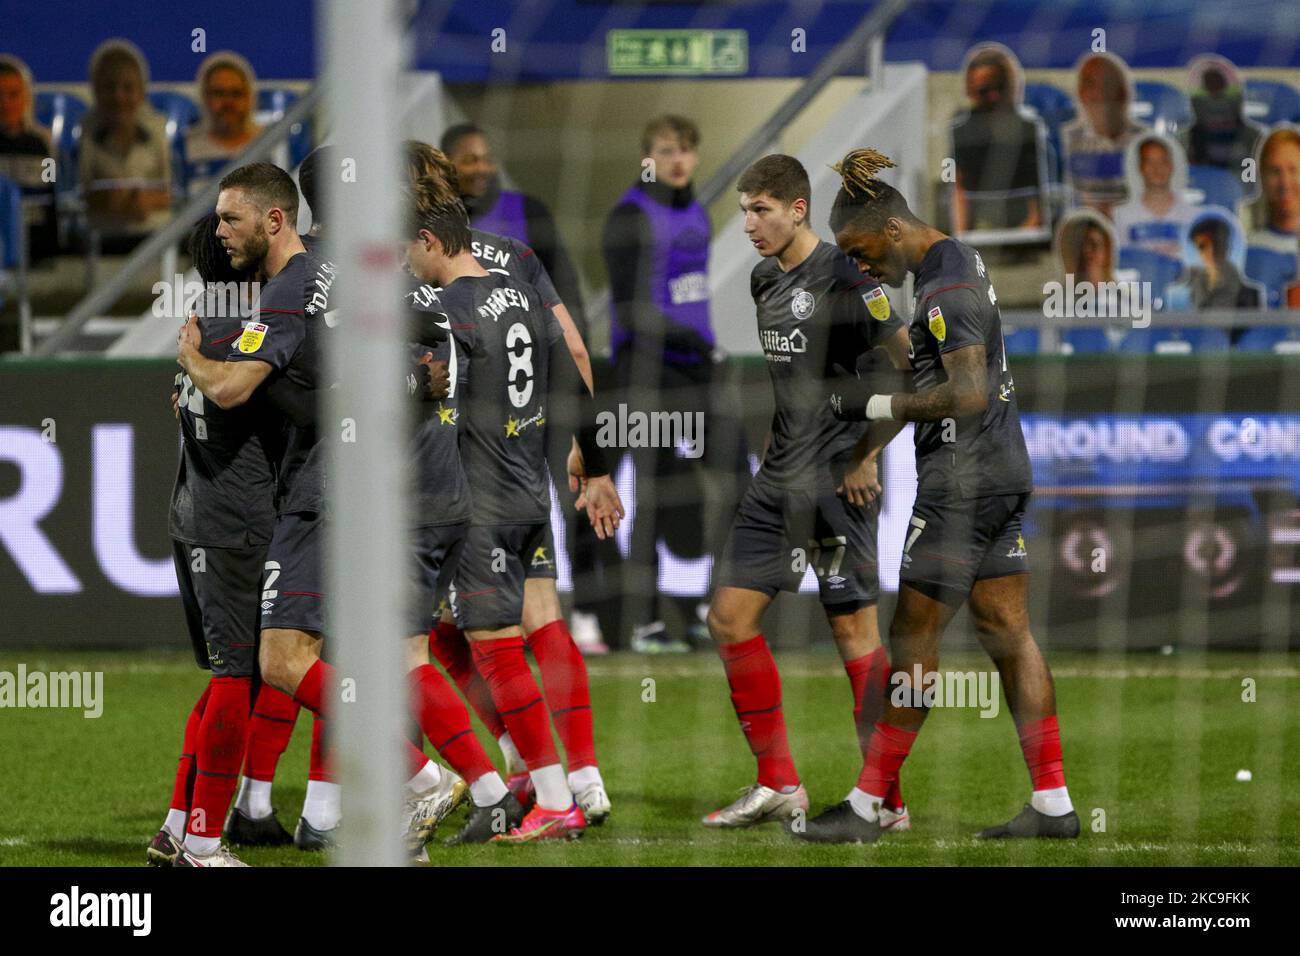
1221,187
1164,108
1056,108
61,114
1273,269
1271,338
1021,341
12,225
1084,341
1175,341
177,109
180,113
273,103
1270,101
1160,270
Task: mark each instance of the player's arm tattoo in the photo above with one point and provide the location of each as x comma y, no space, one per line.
225,384
965,392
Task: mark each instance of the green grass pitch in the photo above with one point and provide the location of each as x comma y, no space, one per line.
1152,749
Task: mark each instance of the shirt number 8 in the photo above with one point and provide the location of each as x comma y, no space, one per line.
520,363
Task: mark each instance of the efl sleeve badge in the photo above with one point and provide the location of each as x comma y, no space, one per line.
878,303
937,327
253,337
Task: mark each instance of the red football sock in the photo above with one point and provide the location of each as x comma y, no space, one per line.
869,676
568,695
1040,742
183,788
756,695
449,648
222,737
888,748
269,731
310,691
503,666
415,758
445,721
320,768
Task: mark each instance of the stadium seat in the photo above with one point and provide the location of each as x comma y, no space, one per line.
1084,341
1056,108
61,114
1284,339
1175,341
1164,108
273,103
12,227
1218,186
180,113
1272,269
1270,101
177,109
1159,270
1021,341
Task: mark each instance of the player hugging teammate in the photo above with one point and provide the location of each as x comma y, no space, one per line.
267,372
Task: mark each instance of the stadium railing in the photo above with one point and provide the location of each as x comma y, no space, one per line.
157,245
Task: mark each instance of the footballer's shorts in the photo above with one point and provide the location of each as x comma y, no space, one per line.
219,592
293,591
955,542
541,563
437,555
490,578
780,532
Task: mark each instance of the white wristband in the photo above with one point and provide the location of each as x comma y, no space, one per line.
880,407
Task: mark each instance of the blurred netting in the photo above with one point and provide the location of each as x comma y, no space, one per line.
1095,146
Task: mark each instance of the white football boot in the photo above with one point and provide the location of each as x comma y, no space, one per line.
595,804
895,822
223,857
759,804
422,812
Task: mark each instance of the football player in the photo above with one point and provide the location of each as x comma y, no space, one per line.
220,520
258,206
516,362
564,673
965,541
813,501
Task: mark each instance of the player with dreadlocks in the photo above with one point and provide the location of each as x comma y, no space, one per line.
964,543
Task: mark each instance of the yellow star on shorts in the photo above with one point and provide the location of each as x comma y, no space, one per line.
512,428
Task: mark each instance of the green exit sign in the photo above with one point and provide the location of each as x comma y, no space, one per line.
677,52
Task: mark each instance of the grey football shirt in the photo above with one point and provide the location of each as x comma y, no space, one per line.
820,314
225,482
286,334
507,331
441,489
955,308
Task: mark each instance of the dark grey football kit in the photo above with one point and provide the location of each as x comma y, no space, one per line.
515,347
967,523
286,334
820,315
221,515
